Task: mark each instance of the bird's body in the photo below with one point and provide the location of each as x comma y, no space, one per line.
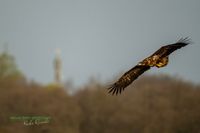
154,60
158,59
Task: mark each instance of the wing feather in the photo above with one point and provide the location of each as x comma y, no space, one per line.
127,78
168,49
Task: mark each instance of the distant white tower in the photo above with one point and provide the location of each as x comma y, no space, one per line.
57,67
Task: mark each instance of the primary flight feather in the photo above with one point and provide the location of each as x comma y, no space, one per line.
157,59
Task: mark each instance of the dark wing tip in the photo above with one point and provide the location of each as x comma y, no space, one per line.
185,41
114,89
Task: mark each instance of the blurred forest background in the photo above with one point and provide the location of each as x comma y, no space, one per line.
153,104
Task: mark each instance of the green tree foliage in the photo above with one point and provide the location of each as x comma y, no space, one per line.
8,67
153,104
35,100
150,105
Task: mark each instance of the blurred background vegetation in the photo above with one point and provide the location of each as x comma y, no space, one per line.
153,104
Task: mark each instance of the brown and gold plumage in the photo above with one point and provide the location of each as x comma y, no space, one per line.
158,59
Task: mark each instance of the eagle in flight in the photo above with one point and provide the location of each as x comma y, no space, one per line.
158,59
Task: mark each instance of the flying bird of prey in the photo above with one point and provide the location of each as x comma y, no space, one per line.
158,59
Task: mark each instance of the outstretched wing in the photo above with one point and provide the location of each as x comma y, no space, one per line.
168,49
127,79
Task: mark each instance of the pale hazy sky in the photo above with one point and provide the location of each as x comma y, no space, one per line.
99,38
